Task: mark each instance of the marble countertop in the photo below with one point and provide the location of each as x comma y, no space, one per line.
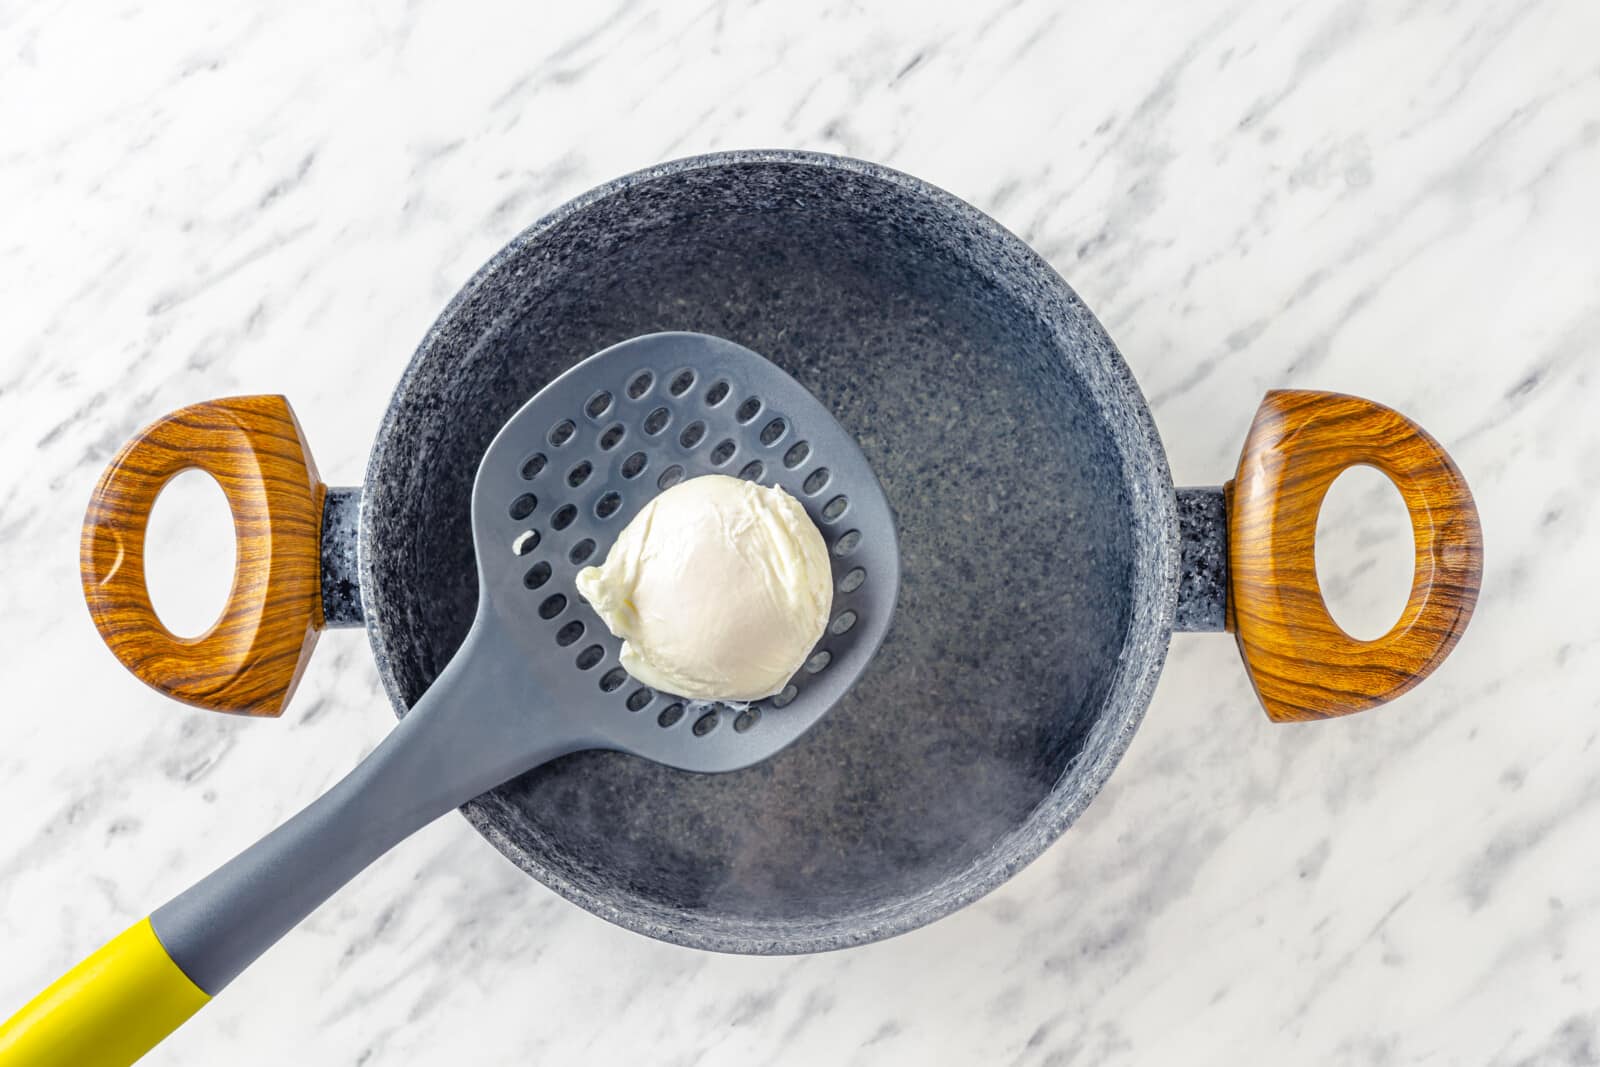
1397,201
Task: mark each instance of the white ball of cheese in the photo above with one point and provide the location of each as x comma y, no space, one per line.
719,589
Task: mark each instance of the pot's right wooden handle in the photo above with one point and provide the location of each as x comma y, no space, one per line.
250,661
1303,665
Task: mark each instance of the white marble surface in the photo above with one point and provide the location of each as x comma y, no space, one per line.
1392,200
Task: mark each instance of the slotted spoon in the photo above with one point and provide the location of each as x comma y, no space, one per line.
537,676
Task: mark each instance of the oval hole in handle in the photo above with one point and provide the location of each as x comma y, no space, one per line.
190,554
1366,553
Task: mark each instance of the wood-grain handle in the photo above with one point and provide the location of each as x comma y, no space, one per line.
251,659
1303,665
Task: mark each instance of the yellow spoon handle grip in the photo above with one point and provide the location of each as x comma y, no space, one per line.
107,1011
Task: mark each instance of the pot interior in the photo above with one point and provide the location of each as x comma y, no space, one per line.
1033,510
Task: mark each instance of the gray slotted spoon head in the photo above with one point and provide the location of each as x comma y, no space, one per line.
537,676
584,456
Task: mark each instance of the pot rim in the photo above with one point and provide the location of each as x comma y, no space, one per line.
1155,571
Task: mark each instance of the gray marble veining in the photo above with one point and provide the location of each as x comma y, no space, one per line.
1392,201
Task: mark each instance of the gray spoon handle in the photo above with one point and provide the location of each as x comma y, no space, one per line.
467,734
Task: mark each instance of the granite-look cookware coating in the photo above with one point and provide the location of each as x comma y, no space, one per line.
1037,519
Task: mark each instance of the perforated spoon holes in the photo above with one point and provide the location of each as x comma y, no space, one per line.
640,384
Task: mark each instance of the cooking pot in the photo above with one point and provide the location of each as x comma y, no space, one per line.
1046,555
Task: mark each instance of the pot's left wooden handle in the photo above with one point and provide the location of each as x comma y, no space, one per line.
251,659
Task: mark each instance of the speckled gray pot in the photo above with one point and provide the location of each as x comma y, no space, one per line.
1039,529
